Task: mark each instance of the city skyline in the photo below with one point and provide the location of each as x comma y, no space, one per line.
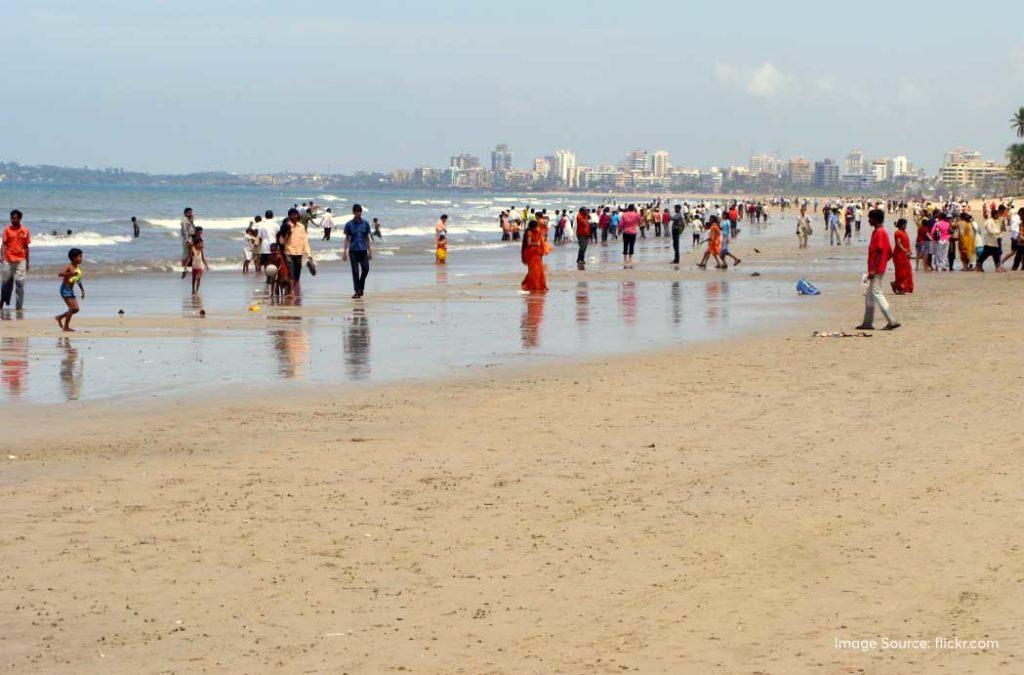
316,86
963,169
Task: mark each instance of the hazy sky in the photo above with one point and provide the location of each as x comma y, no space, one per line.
256,85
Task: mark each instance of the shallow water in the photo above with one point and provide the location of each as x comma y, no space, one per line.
482,320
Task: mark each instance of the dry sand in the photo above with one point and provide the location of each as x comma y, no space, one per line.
731,508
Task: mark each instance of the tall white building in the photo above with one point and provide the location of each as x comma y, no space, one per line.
565,168
766,164
880,170
661,163
854,163
898,166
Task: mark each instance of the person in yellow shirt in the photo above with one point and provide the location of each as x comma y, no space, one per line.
296,247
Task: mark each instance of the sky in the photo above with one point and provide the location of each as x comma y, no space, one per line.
312,85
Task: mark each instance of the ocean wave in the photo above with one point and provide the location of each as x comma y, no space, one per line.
479,202
81,239
332,198
237,223
419,202
428,230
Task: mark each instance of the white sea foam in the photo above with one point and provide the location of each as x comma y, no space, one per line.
237,223
478,202
332,198
428,230
419,202
80,239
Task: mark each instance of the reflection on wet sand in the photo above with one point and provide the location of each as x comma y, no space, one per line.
716,294
582,303
533,316
292,348
14,365
192,306
676,292
627,302
356,343
72,369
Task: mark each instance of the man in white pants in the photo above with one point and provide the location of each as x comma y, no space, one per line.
879,254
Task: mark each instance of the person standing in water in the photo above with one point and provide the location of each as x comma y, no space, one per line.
532,255
135,227
879,254
630,225
678,222
358,249
198,259
582,236
188,229
327,222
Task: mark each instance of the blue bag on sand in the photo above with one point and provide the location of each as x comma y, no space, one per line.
804,287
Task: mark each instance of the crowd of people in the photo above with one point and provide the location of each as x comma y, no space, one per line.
945,233
714,225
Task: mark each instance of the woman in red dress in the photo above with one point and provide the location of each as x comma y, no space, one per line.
533,258
904,282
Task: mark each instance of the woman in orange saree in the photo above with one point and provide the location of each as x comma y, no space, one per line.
532,256
904,282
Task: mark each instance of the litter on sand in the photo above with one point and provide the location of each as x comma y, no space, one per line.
839,334
804,287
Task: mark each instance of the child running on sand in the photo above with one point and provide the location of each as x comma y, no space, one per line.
69,276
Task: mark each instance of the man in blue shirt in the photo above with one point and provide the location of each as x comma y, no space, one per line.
358,248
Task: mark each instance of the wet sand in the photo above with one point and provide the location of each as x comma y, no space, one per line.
733,506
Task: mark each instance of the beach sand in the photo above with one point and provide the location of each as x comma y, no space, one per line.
727,507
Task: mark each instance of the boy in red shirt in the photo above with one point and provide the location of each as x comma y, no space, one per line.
879,254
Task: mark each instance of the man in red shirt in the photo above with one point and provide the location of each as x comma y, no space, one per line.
604,223
14,260
879,254
582,235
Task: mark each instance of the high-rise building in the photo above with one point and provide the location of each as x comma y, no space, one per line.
800,171
638,161
880,170
542,168
565,168
898,166
961,156
826,174
854,163
660,163
464,162
974,173
761,164
501,159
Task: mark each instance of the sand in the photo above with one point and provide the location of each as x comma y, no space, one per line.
733,507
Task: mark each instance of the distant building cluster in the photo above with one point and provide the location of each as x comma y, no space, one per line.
646,171
963,171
